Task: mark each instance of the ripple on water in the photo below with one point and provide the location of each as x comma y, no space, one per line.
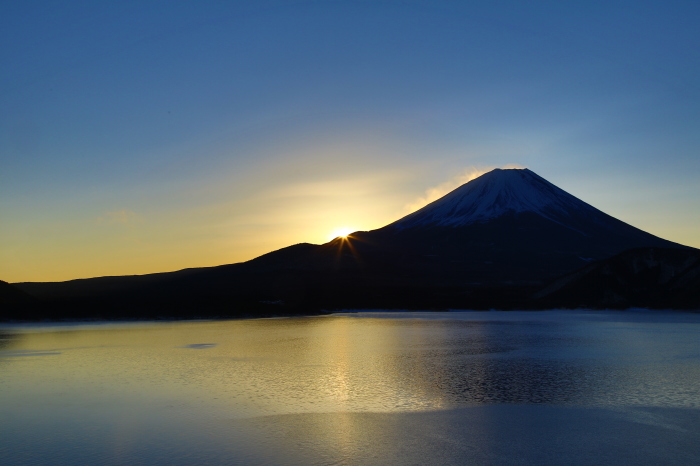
199,345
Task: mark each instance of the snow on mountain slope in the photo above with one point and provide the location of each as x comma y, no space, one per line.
496,193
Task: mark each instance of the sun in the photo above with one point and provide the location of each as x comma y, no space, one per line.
341,232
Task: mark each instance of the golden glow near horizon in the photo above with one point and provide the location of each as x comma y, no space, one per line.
341,232
226,220
235,217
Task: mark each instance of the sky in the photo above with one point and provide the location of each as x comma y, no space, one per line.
147,136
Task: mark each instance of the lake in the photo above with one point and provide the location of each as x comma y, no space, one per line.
551,387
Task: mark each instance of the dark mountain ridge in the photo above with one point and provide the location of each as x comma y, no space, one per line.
492,242
645,277
11,295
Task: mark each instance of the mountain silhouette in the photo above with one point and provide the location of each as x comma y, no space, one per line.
10,295
492,242
511,226
645,277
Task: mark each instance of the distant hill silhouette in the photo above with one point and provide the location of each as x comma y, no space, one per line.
494,242
645,277
12,295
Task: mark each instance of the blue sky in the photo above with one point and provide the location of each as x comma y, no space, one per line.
146,136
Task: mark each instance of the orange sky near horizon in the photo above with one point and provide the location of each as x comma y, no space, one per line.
133,242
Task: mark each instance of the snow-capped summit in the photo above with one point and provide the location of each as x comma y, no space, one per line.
494,194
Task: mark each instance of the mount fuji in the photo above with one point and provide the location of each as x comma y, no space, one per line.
498,193
507,227
492,242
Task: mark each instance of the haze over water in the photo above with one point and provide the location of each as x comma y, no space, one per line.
365,388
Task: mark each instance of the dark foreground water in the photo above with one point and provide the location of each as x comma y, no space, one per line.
556,387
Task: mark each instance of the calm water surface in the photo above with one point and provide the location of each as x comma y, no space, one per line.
558,387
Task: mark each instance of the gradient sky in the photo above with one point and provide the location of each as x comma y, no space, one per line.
146,136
